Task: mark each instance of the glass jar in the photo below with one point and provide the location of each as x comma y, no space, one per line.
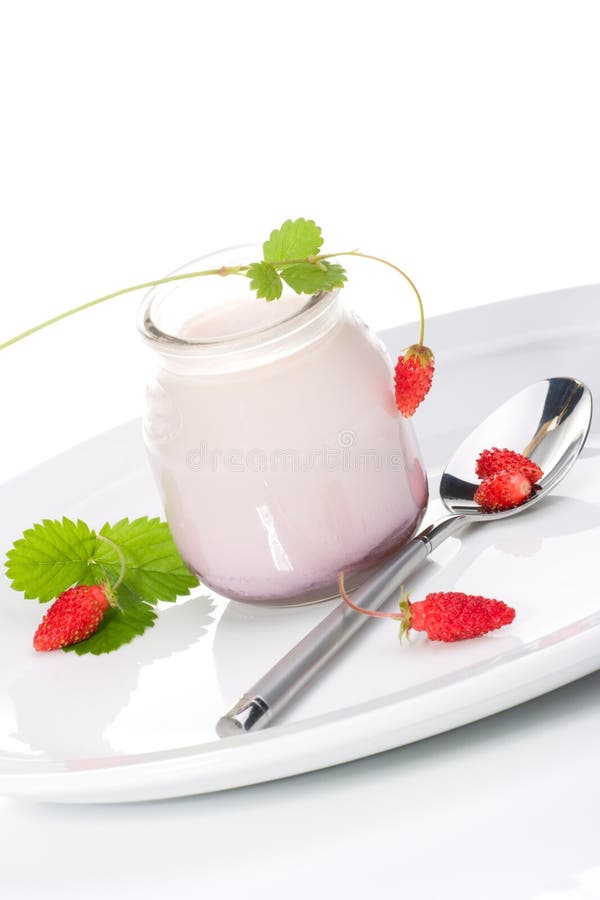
274,438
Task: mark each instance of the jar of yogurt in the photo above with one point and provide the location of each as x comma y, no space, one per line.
274,438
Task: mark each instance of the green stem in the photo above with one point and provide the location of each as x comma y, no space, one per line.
223,271
386,262
128,290
121,556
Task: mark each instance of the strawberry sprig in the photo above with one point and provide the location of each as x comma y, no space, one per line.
107,582
444,616
293,255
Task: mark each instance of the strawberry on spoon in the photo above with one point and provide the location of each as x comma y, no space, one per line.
490,462
504,490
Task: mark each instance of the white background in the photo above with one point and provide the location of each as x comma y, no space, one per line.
459,139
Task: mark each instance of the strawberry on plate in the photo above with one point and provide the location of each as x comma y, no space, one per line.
73,617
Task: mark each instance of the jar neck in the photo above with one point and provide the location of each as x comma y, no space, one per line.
211,324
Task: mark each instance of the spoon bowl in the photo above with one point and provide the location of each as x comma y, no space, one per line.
547,422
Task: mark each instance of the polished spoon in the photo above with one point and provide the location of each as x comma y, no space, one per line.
547,421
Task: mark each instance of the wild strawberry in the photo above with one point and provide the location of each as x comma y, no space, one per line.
490,462
503,491
444,616
73,616
412,378
451,616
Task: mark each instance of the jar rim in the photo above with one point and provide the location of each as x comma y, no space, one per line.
246,339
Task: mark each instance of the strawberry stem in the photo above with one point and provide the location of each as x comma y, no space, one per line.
386,262
361,609
223,271
122,562
128,290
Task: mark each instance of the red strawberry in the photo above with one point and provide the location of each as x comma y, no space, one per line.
503,491
449,616
492,461
73,617
444,616
412,378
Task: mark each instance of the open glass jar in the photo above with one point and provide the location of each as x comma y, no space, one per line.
274,438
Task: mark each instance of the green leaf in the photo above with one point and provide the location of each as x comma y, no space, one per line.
265,280
54,555
294,240
308,278
155,570
119,625
49,558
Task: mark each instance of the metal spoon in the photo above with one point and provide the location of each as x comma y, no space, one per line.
547,421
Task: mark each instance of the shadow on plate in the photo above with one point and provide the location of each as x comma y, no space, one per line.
64,703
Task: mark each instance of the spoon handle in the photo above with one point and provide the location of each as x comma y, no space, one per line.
272,693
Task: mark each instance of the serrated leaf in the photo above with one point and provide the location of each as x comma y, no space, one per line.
308,278
294,240
154,568
54,555
265,281
119,626
49,558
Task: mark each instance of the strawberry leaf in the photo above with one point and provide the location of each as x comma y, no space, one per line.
294,240
49,558
307,278
154,569
54,555
265,280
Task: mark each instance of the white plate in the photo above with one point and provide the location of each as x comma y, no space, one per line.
140,723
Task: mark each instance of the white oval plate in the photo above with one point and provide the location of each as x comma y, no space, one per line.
140,723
